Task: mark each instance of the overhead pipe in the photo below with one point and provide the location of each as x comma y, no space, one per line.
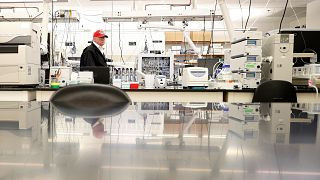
44,28
11,7
226,17
194,4
193,46
134,6
165,4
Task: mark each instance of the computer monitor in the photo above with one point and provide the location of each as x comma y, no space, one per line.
101,74
305,41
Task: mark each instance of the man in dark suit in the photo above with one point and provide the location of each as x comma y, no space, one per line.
92,57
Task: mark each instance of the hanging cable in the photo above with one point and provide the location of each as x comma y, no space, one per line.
120,45
256,19
245,27
36,17
24,4
284,13
212,26
295,14
203,38
241,14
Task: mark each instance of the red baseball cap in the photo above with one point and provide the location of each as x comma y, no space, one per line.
100,34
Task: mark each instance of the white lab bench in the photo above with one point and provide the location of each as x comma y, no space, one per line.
189,95
157,95
17,94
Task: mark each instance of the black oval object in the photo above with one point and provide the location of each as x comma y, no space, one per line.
275,91
90,100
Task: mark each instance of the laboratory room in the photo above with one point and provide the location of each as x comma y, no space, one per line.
159,89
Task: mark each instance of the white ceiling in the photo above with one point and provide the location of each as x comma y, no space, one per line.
270,10
231,3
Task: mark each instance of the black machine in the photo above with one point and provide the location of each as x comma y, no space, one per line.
101,74
208,63
305,41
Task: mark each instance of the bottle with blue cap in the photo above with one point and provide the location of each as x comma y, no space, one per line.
225,73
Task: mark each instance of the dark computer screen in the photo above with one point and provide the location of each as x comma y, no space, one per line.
305,41
208,63
101,74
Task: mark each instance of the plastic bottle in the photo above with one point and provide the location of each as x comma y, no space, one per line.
135,77
127,74
123,76
225,73
131,75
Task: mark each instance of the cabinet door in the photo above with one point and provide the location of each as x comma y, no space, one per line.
174,36
200,36
9,74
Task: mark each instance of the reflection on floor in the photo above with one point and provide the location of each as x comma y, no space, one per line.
161,140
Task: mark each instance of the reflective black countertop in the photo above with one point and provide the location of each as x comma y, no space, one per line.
161,140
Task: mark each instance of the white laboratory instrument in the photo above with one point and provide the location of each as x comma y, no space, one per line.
20,54
249,79
225,80
247,43
22,130
85,77
64,74
20,115
195,105
245,112
246,57
306,75
244,120
278,57
154,107
246,64
276,125
136,119
310,108
157,64
195,77
160,81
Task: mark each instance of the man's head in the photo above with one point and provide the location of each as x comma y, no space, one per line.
99,37
98,130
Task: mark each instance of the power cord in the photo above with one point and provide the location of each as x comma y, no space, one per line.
245,27
24,4
310,84
120,45
241,14
284,12
212,27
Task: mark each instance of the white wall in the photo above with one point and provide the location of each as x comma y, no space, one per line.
313,15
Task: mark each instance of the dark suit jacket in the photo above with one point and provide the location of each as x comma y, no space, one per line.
91,121
92,56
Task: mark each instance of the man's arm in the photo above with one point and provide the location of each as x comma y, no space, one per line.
87,59
109,60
